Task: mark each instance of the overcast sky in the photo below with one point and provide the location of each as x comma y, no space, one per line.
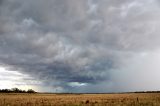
80,45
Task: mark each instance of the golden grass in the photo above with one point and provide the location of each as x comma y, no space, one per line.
130,99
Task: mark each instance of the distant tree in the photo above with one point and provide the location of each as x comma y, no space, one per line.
16,90
5,90
31,91
23,91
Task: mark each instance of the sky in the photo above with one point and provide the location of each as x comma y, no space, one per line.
80,46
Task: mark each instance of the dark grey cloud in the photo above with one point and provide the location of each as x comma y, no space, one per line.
63,43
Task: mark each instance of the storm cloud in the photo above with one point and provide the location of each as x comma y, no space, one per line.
76,45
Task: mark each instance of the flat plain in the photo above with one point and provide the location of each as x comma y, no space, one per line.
38,99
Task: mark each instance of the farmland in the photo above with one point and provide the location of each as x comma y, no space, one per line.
38,99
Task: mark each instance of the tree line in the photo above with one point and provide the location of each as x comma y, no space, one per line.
16,90
147,92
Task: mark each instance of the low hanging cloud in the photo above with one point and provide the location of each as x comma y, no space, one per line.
71,45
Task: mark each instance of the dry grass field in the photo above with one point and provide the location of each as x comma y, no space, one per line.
130,99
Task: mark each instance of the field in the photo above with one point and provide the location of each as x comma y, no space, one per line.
128,99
